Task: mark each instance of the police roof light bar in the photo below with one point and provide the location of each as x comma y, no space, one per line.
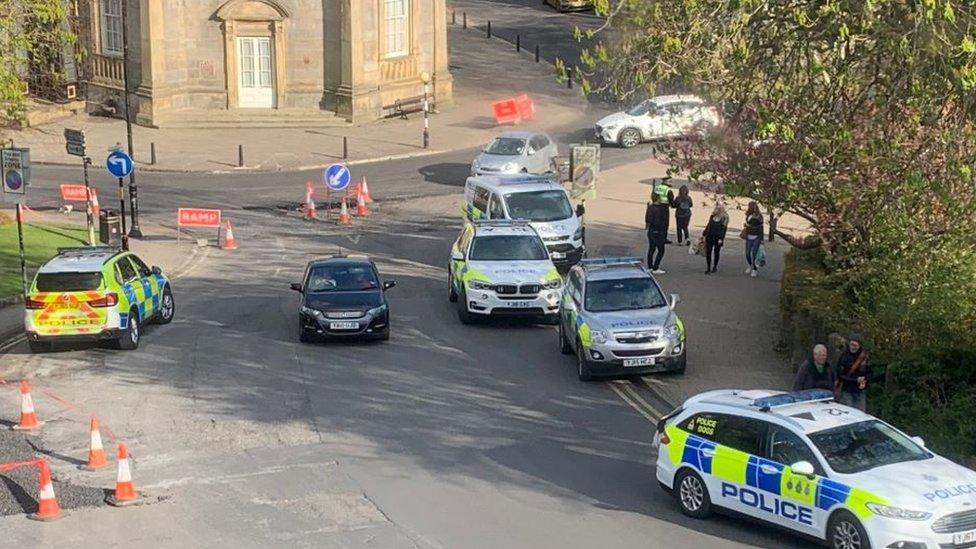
795,397
609,261
500,223
523,179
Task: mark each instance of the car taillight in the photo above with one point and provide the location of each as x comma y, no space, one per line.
111,299
664,439
33,304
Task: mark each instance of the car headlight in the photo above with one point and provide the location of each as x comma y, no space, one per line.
889,511
578,235
598,336
553,284
479,285
671,331
314,312
611,127
378,310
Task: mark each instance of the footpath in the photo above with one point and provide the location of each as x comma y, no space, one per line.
484,70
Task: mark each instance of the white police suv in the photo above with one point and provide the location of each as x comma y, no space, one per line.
827,471
502,267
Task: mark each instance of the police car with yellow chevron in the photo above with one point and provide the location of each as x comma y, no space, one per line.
615,318
501,267
801,461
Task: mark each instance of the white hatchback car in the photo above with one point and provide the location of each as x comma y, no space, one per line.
803,462
517,152
660,117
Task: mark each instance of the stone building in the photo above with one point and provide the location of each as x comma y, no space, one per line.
265,62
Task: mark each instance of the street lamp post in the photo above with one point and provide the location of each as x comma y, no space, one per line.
425,78
134,230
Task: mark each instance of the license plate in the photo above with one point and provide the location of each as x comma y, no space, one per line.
962,538
558,255
631,362
343,325
521,304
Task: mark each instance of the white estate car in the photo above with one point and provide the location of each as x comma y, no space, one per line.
803,462
660,117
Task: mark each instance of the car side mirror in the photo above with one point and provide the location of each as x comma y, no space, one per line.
457,256
804,468
156,270
297,286
675,299
387,284
919,440
580,210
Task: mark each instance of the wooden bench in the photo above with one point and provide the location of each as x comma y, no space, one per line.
407,105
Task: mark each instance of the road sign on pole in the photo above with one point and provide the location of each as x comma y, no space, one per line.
74,142
15,174
119,163
336,177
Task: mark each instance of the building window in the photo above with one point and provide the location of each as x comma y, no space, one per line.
112,26
396,37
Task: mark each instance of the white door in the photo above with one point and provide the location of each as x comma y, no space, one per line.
255,72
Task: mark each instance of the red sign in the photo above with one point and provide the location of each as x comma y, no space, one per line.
71,192
526,107
198,217
505,111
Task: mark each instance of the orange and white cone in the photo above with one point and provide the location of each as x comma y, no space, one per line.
125,491
94,203
28,417
96,452
229,242
344,213
47,502
310,211
364,188
361,204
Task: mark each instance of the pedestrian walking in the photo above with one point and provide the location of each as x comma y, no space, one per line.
853,372
656,218
682,214
714,235
752,232
815,372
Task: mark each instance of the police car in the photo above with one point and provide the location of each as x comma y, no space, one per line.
501,267
615,318
95,293
803,462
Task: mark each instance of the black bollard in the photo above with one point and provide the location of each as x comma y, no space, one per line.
537,53
489,29
240,156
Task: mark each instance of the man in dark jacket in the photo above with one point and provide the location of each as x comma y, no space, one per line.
853,371
815,372
656,219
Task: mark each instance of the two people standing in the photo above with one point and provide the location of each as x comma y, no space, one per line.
848,380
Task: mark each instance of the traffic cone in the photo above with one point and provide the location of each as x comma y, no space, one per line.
96,453
365,190
47,502
310,211
28,417
125,491
94,203
229,242
344,214
361,204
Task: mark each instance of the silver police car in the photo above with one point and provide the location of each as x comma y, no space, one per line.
613,315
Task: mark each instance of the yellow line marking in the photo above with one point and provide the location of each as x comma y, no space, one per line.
623,396
633,392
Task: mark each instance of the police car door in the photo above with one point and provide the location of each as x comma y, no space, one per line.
150,286
569,306
797,508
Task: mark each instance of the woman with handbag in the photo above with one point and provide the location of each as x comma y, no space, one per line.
714,235
752,233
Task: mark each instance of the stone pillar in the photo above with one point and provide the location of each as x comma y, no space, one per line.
356,97
151,61
443,82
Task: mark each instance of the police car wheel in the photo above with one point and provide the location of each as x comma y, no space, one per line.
564,346
845,532
451,292
167,307
692,494
462,309
39,346
129,339
582,366
629,138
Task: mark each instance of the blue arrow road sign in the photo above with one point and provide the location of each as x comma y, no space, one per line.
119,164
336,177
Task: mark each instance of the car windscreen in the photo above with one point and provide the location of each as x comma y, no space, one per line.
865,445
508,248
623,294
341,278
641,109
539,206
68,282
506,146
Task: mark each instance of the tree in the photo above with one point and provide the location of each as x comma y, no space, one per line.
857,116
33,35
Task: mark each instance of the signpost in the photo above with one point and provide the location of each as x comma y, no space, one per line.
584,167
15,175
120,165
75,145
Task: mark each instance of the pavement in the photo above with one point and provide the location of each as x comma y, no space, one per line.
476,66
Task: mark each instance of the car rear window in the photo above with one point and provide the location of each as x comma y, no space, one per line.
68,282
